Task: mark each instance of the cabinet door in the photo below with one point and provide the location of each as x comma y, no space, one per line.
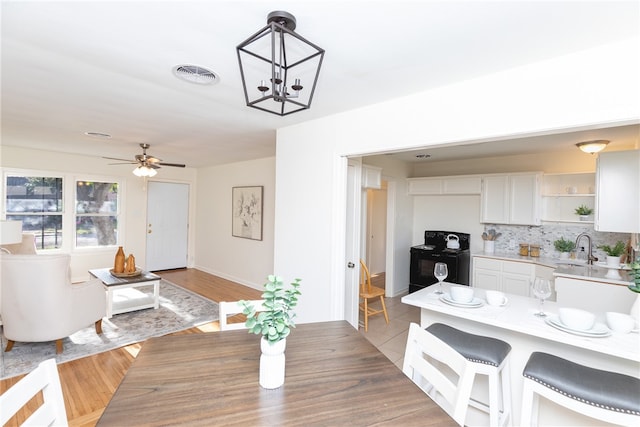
371,177
486,279
494,199
461,185
425,186
524,199
516,284
618,192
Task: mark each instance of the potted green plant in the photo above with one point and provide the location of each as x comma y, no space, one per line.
564,247
584,211
273,321
613,253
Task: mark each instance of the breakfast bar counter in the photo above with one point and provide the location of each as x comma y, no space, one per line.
516,324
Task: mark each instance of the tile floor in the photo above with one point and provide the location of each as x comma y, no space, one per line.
391,339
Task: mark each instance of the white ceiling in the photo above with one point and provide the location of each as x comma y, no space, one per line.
106,66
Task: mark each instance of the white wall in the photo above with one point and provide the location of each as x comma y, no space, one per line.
242,260
133,200
576,91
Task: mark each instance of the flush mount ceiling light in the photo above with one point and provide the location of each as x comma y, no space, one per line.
592,147
279,68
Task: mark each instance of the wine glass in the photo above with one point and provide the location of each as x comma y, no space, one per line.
542,290
441,272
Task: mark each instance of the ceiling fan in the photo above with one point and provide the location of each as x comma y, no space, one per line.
146,162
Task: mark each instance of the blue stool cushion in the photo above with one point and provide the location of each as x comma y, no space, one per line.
609,390
476,348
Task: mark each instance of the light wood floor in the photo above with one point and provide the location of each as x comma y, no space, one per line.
89,383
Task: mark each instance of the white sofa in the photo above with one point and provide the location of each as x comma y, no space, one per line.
39,302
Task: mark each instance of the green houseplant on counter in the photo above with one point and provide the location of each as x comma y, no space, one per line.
274,321
613,253
564,247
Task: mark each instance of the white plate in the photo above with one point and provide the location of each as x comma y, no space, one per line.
475,303
598,331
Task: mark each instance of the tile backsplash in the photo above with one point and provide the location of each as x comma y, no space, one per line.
546,234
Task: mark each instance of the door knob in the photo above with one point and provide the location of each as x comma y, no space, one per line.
350,265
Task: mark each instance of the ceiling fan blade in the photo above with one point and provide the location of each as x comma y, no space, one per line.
122,160
124,163
145,160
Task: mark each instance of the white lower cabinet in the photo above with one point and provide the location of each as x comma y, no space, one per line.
513,277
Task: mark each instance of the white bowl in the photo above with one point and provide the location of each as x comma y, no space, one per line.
576,319
620,322
463,294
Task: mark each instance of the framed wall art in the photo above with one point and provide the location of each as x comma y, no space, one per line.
247,212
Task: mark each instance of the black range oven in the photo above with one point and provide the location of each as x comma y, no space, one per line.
424,258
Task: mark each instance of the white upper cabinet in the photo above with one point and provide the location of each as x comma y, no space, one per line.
463,184
371,177
618,192
511,199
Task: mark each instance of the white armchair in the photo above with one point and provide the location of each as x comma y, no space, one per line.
39,303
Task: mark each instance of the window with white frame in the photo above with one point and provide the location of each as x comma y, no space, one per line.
64,212
37,201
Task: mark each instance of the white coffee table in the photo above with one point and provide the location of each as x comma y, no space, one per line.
126,294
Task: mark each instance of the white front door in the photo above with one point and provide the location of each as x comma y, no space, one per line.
167,225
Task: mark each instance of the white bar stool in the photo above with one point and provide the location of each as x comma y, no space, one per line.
489,356
602,395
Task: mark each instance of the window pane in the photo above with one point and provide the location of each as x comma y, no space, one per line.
96,197
47,228
96,231
96,207
33,194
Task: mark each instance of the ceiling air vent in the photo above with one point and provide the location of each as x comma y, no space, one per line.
195,74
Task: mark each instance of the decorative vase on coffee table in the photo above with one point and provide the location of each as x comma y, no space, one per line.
272,362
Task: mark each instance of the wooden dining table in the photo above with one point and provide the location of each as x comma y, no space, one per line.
334,377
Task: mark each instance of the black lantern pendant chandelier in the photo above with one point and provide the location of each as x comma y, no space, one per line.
279,68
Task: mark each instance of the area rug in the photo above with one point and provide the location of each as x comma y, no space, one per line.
179,309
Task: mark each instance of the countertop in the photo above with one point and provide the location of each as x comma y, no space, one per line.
517,316
568,268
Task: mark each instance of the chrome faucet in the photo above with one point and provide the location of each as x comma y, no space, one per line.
590,257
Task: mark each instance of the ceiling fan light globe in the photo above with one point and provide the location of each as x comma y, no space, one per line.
143,171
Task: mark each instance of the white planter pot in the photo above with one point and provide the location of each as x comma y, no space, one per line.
564,255
272,363
613,261
489,246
